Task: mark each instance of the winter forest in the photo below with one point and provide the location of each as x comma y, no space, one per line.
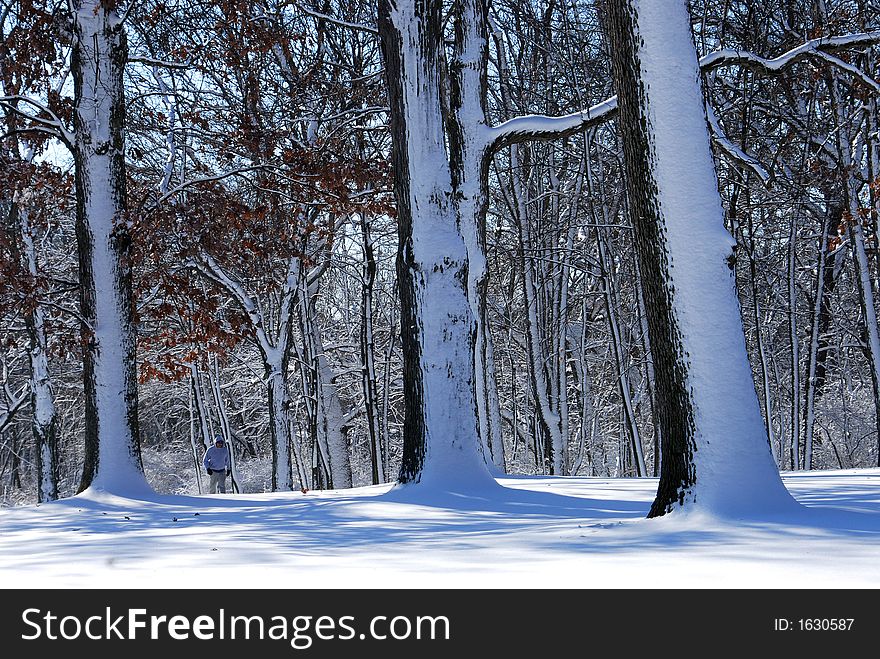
438,242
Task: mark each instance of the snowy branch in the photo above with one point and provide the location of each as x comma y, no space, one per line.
540,127
814,47
732,150
853,70
215,272
15,402
330,19
53,123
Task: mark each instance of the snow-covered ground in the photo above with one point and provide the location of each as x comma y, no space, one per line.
540,532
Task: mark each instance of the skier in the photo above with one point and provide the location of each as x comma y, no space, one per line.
218,465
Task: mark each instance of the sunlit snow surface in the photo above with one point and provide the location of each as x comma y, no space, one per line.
533,532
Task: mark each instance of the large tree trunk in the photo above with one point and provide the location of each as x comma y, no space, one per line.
440,426
332,420
112,450
715,454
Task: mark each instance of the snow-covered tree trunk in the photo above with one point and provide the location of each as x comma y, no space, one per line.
112,450
872,142
332,423
469,169
42,399
715,451
223,419
559,316
23,250
328,417
196,444
584,392
386,399
200,410
441,446
279,425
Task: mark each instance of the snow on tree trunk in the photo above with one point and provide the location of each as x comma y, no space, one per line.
759,341
112,450
869,311
327,416
223,420
441,446
279,426
332,426
470,176
42,399
715,452
200,410
198,449
275,350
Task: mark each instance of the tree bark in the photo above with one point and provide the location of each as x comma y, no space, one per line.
715,454
469,169
43,415
328,422
441,444
112,450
